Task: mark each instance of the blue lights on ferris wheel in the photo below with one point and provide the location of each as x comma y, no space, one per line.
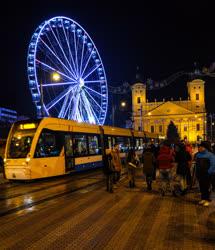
65,68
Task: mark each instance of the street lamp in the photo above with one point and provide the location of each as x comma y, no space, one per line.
123,104
55,77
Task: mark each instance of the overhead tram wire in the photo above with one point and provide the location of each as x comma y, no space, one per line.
155,85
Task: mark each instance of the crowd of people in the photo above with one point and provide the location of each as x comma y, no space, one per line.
174,167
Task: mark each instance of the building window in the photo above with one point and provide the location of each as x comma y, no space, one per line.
139,128
197,97
185,127
152,129
138,100
197,127
160,128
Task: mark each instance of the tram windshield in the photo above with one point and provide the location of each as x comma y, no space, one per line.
20,142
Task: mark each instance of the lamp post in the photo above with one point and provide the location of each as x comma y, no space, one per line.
211,127
114,107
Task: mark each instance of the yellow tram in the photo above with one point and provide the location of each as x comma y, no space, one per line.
51,146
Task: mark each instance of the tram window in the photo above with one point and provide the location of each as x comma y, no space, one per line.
126,145
141,143
93,145
68,145
50,144
137,144
120,141
80,145
113,141
20,145
109,142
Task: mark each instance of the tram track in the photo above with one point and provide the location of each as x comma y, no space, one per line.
53,197
90,175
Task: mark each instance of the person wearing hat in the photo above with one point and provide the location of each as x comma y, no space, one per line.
205,168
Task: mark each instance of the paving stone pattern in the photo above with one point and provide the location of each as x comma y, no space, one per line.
126,219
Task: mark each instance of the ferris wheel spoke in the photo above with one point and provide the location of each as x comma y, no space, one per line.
58,37
96,81
87,62
82,54
53,69
58,98
65,102
72,73
92,90
55,63
88,108
95,115
72,94
73,112
55,53
70,52
76,55
58,42
95,68
60,115
93,99
59,84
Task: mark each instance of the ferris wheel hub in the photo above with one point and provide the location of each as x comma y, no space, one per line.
81,82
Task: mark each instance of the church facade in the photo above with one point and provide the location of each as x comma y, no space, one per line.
189,115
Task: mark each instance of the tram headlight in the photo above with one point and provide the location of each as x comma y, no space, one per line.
27,159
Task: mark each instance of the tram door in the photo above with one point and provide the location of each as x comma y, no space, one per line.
69,160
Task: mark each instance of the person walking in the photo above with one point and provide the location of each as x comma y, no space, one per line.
108,170
165,161
132,163
189,149
116,162
182,159
148,166
205,168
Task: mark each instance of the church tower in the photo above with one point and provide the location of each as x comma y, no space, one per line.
196,92
138,103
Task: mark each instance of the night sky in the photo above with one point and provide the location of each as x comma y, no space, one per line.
161,38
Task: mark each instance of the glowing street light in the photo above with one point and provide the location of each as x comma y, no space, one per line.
55,77
123,104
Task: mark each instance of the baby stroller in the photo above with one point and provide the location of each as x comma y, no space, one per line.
166,179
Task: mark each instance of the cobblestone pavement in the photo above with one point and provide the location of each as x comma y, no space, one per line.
126,219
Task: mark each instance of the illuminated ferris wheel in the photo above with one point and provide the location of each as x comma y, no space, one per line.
66,74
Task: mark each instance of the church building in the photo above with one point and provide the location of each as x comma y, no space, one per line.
189,115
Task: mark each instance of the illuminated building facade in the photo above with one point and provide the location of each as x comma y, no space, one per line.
189,116
7,115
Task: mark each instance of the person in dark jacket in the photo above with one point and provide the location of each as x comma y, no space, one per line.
205,168
108,170
132,165
148,166
183,158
